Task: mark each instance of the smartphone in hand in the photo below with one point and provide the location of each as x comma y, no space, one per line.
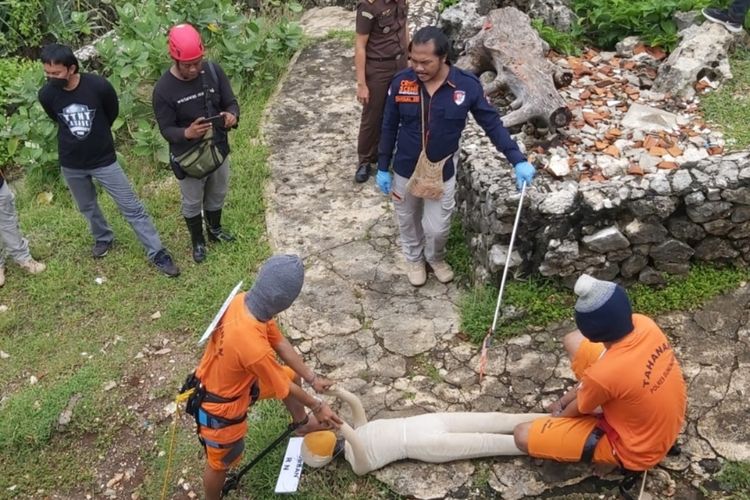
214,120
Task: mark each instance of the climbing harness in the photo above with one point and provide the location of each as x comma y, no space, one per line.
487,343
193,394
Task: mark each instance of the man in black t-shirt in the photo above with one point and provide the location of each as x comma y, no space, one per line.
191,90
84,106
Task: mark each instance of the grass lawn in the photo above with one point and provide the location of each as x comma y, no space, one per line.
728,107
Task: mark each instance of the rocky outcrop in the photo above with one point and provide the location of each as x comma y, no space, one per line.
703,52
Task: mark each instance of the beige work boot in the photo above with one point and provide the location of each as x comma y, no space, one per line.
32,266
416,273
2,275
443,271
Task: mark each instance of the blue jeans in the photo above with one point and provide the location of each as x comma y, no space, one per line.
113,180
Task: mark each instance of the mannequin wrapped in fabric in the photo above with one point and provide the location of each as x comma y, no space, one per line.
433,437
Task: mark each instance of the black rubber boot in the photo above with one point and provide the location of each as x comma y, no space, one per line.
195,227
213,226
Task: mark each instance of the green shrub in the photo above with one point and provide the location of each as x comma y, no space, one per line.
564,43
607,22
20,24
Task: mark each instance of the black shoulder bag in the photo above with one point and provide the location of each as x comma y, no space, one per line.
204,157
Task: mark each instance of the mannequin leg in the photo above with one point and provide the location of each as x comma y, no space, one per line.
446,447
495,423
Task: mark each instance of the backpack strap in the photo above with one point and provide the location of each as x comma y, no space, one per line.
214,75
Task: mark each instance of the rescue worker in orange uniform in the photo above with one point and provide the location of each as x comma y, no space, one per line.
380,51
240,367
630,404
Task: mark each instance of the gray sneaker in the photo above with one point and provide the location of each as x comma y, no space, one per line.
101,248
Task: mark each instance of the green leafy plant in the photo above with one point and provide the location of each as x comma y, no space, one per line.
19,24
562,42
605,23
444,4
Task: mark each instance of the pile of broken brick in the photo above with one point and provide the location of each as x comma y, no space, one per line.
620,126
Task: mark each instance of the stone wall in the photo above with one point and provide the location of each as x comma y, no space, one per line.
630,228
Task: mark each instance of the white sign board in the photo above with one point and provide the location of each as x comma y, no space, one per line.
291,467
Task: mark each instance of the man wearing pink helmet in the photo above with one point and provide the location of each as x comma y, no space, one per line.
185,95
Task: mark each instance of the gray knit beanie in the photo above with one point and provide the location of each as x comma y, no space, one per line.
278,283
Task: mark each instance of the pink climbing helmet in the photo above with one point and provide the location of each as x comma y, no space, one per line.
185,43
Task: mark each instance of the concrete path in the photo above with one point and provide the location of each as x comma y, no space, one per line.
360,322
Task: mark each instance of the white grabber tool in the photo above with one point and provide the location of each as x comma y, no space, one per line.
487,343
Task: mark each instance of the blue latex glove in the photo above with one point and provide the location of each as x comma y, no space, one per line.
525,172
384,181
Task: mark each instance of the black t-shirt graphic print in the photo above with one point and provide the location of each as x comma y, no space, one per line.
84,118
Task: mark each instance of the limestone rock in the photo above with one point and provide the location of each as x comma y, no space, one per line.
407,338
423,480
713,248
558,166
318,22
460,22
740,195
681,181
650,276
718,227
558,202
683,229
703,51
633,265
661,206
672,251
498,256
741,214
627,45
709,210
649,119
606,240
643,232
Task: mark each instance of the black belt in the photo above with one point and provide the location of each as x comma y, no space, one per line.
383,59
590,445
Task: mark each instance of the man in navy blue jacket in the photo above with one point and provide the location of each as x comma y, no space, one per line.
443,95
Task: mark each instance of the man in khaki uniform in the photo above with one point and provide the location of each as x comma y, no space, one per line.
380,52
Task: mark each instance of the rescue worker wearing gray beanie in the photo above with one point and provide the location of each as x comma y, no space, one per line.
241,365
630,404
277,285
